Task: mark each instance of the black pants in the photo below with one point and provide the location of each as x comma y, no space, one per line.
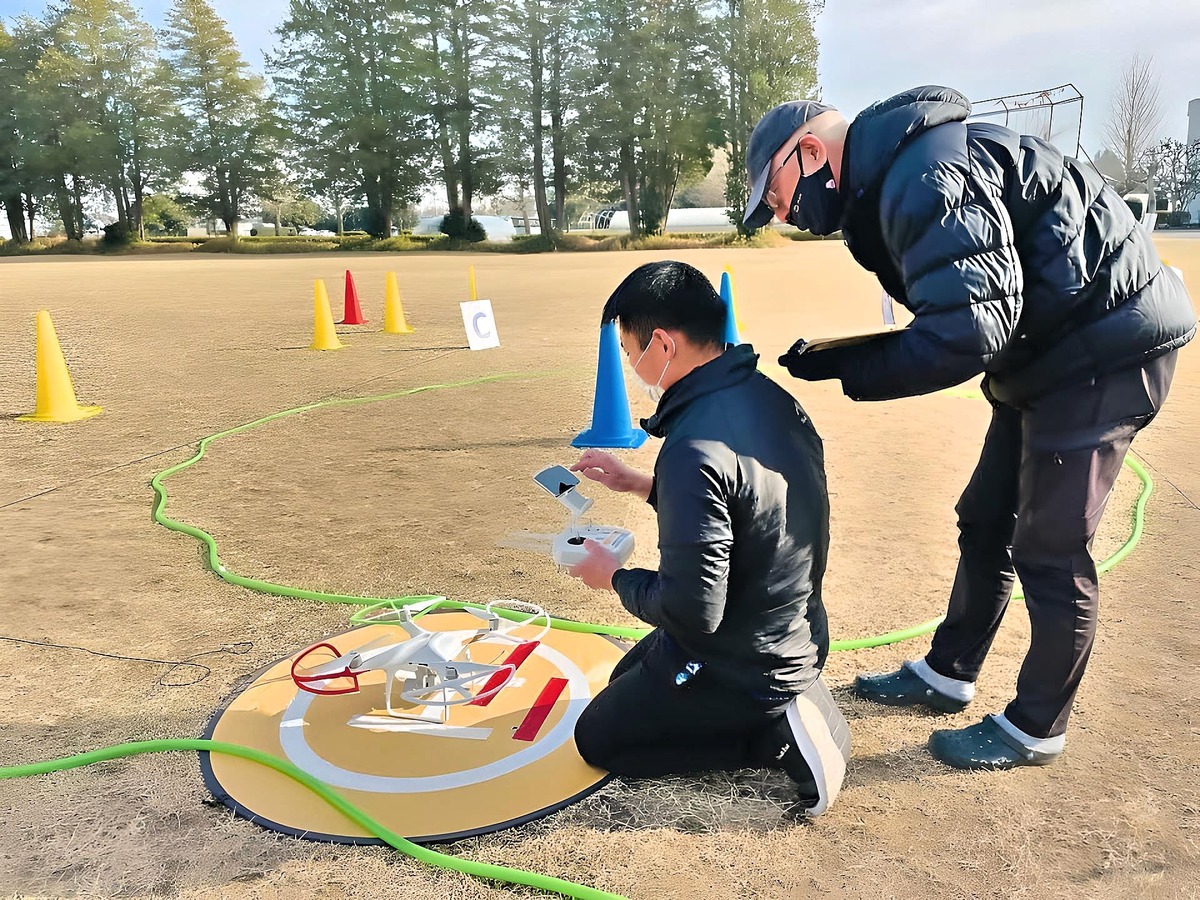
1031,509
643,725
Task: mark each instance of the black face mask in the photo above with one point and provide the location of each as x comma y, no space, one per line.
816,205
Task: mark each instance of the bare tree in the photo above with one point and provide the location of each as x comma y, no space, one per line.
1176,167
1136,115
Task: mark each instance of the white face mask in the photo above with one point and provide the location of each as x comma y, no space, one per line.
653,391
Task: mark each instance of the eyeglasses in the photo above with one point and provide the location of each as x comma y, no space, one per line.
769,194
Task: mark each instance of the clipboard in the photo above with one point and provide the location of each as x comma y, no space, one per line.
850,340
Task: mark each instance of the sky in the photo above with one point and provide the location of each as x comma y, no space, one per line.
871,49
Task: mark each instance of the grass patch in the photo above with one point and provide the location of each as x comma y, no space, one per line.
152,248
265,247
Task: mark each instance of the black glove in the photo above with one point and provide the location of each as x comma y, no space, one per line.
813,365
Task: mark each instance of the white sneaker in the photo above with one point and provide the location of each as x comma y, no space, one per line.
822,738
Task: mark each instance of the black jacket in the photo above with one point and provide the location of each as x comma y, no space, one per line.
743,528
1016,261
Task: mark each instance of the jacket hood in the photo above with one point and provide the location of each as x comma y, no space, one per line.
881,131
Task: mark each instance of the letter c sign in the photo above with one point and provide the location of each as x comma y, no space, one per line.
480,324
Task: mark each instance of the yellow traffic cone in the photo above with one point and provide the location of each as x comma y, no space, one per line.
55,393
471,276
393,310
324,334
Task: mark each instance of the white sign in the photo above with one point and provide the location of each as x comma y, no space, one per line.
480,323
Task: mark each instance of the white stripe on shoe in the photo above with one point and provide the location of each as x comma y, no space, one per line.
823,739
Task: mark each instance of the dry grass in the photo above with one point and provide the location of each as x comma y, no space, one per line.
410,495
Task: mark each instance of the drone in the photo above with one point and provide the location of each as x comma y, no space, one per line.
433,668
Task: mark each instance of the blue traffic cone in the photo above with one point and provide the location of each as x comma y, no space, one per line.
611,422
731,329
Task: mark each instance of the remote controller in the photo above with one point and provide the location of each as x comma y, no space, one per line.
569,549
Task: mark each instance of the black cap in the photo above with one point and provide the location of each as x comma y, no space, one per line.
768,136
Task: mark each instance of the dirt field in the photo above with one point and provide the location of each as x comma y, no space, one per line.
411,495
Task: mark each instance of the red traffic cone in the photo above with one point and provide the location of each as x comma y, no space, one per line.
353,314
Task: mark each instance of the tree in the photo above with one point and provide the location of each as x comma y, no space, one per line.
521,141
110,117
15,63
234,139
147,133
163,214
708,191
1135,118
464,83
539,49
346,72
1177,171
60,116
25,147
292,212
760,71
651,109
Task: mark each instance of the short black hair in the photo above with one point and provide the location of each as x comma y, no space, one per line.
670,295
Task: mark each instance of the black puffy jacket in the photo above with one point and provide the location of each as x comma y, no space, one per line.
743,529
1016,261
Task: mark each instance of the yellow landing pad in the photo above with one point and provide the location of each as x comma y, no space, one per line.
428,782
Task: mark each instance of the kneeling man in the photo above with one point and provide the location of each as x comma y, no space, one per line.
730,676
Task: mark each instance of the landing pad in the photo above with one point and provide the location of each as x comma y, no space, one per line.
492,764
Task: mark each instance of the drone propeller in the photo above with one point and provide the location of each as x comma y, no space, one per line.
314,680
503,626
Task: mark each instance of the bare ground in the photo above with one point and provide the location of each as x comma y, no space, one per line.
410,496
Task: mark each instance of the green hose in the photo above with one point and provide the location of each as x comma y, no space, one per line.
351,812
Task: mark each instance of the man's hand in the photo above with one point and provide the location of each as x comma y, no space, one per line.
597,570
810,365
596,465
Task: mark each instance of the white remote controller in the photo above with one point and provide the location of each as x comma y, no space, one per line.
568,549
568,544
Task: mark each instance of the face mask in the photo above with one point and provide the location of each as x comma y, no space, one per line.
816,205
653,391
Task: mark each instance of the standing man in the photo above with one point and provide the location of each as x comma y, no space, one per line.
1020,264
730,676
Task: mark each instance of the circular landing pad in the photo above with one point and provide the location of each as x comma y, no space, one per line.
493,764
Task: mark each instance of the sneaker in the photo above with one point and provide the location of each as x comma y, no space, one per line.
904,687
813,747
985,746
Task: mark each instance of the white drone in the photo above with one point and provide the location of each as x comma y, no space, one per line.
432,663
